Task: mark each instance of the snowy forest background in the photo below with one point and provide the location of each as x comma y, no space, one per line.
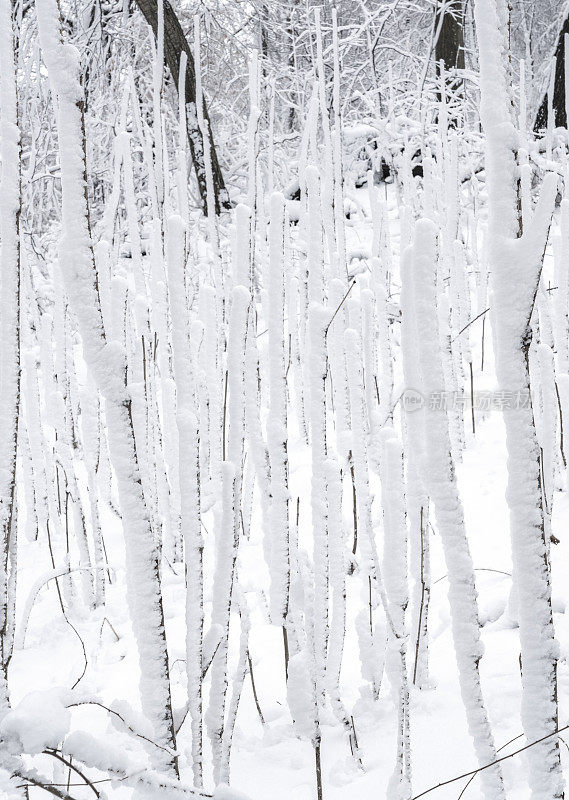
284,394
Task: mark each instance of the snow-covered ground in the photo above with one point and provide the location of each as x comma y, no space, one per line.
96,655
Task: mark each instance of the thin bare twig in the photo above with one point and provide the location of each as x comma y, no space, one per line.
491,764
56,754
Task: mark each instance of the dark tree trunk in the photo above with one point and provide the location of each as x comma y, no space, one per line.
175,43
291,35
559,110
449,46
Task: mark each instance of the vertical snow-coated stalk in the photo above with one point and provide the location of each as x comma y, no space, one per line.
318,318
227,537
395,571
189,485
277,436
417,498
157,77
339,218
439,476
10,205
107,362
327,181
515,264
337,365
204,128
90,422
337,553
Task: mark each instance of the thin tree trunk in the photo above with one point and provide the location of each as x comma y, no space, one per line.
107,361
559,91
449,46
10,205
516,261
175,43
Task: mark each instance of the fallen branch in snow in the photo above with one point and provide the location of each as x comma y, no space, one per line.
68,763
492,763
53,574
479,569
131,780
343,300
254,688
466,785
42,783
472,321
122,719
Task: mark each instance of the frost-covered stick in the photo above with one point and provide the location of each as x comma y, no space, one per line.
206,137
339,217
10,205
271,142
318,316
302,691
561,310
182,182
453,380
370,635
277,435
145,137
337,552
108,364
189,483
257,447
141,310
462,313
139,373
238,681
315,269
369,351
42,461
294,328
546,382
157,78
337,363
30,497
226,546
395,571
550,115
66,439
385,350
90,423
547,436
252,154
328,174
515,268
440,480
417,499
212,367
163,428
307,135
137,385
561,279
227,535
360,450
241,246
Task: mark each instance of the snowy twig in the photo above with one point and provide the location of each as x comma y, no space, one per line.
487,766
351,286
472,321
68,763
122,719
42,783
